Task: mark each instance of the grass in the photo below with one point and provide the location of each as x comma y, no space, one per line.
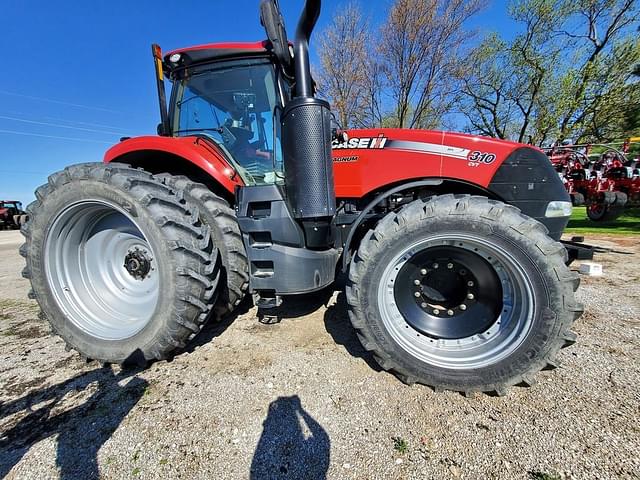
627,224
537,475
400,445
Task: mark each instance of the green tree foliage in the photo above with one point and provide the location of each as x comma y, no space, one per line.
567,75
572,71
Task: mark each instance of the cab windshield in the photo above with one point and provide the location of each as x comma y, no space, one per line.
235,104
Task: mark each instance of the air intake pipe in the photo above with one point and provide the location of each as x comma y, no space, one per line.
306,140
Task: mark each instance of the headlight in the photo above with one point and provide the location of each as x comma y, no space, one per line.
558,209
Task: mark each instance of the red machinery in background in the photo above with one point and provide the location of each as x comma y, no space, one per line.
605,182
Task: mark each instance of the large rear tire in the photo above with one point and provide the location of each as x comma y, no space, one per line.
220,217
119,264
462,293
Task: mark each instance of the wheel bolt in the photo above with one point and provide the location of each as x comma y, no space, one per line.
449,266
423,271
463,307
416,282
435,265
470,283
417,294
450,312
423,305
470,296
436,311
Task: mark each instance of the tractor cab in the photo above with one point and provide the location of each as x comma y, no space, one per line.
232,95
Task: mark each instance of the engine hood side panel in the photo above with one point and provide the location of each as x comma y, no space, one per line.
373,158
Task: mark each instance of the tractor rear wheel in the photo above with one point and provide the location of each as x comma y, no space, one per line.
119,264
462,293
225,231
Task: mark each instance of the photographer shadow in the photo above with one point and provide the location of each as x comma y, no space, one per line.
293,444
81,429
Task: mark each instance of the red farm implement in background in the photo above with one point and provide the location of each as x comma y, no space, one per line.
605,182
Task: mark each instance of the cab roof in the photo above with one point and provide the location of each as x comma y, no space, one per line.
214,51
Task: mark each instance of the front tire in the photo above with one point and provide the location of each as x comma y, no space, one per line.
120,265
462,293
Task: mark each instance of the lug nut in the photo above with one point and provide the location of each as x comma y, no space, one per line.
423,271
416,282
436,311
449,266
470,283
470,296
450,312
463,307
423,305
435,265
417,294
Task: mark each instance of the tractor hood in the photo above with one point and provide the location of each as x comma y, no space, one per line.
373,158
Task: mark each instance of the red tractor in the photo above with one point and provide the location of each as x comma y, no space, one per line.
456,276
11,214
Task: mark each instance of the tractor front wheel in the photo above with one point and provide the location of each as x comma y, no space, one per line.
120,265
462,293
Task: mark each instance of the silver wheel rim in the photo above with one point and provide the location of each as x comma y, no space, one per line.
85,253
499,340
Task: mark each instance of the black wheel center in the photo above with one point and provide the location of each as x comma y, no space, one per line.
448,292
137,263
445,287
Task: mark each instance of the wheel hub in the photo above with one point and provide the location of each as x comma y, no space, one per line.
137,263
100,269
448,292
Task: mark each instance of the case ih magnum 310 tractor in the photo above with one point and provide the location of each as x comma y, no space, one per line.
456,277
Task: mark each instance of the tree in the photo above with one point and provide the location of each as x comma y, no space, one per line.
566,75
420,46
403,77
343,77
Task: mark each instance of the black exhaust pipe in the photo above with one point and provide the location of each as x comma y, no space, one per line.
308,19
306,140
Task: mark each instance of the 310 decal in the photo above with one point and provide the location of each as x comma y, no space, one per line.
477,156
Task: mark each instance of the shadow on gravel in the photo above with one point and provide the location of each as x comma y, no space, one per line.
213,329
292,445
83,412
337,324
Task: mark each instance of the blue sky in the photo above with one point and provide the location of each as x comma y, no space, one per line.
76,76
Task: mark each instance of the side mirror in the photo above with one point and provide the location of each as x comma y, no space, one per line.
273,23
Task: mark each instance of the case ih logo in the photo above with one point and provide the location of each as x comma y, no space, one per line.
363,142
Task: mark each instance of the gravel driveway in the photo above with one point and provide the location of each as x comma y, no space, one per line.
302,399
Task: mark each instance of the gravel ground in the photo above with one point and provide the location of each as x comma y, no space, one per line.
301,399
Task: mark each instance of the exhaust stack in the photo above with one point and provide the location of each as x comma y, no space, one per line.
306,140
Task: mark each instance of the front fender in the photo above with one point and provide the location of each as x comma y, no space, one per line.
194,150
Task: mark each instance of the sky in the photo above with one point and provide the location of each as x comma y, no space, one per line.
76,76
